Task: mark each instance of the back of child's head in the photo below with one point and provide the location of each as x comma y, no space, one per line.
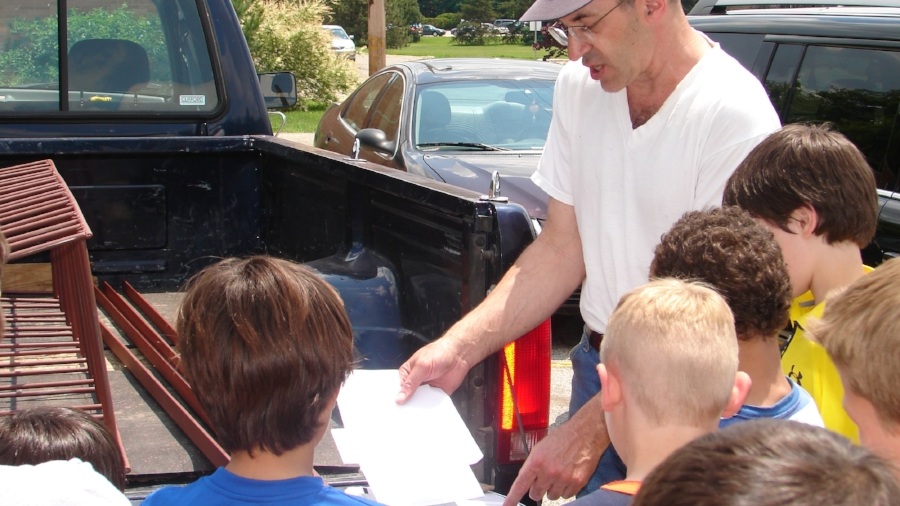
770,462
727,249
673,344
860,330
808,165
265,344
41,434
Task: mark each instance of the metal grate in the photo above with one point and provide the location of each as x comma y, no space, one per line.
51,352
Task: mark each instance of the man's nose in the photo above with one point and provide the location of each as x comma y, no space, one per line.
576,48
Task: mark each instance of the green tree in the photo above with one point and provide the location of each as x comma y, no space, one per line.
478,11
353,15
250,14
512,9
290,38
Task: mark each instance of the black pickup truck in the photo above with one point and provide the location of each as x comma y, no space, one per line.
157,121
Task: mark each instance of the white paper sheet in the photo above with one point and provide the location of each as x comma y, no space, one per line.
415,454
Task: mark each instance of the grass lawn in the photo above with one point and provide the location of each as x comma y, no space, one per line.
442,47
437,47
302,121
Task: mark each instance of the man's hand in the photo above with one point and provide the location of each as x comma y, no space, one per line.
563,462
439,364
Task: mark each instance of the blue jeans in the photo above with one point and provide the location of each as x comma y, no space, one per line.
585,385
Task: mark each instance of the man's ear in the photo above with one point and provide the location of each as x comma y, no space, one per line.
610,388
804,221
654,9
739,393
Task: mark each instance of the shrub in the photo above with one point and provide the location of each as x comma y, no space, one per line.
447,20
474,34
290,38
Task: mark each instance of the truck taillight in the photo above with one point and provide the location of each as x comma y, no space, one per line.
525,394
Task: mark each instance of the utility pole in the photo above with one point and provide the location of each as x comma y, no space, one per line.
377,55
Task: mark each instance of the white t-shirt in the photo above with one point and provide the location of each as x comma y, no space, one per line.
58,483
630,185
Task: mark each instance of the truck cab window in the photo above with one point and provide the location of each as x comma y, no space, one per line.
120,58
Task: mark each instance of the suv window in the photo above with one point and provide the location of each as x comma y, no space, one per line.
857,89
119,58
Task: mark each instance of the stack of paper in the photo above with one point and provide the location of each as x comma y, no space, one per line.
415,454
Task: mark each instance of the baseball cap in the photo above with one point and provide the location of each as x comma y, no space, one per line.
544,10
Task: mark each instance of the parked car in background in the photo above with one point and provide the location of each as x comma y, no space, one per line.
341,43
433,30
452,120
821,64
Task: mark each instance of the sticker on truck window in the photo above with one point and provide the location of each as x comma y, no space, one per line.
192,99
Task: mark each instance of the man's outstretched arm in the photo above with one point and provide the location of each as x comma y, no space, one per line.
543,276
561,464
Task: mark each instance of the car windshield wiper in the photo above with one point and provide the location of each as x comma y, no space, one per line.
477,145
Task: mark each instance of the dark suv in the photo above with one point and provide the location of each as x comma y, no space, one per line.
834,64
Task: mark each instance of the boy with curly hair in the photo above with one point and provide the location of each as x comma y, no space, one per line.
729,250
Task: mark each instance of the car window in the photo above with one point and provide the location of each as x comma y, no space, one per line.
118,58
386,114
509,113
742,46
856,89
357,108
782,72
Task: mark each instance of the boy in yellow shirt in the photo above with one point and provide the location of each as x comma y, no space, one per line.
815,191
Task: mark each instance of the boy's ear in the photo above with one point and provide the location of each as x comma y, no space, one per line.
610,388
739,393
805,220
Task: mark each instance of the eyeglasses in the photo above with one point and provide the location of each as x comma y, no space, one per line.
582,33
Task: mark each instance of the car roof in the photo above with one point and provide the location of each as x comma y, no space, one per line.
721,6
845,22
451,69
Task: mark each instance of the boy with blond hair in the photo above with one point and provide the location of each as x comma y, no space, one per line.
669,372
860,330
815,191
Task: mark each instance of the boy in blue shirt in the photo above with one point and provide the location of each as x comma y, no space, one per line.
265,345
740,258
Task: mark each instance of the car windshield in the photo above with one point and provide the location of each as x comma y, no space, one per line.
483,114
339,33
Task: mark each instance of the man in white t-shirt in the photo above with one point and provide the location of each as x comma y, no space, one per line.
649,125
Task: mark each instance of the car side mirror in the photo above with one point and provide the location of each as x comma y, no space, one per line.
279,89
376,139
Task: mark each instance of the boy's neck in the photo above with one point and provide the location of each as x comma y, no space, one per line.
267,466
650,444
760,358
840,266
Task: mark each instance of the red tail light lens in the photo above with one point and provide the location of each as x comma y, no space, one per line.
525,394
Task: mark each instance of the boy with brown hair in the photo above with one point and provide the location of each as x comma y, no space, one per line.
770,462
815,191
44,433
669,370
265,345
861,332
729,250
